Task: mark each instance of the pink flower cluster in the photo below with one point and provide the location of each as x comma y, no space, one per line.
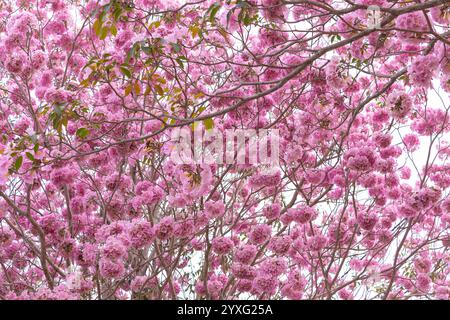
95,205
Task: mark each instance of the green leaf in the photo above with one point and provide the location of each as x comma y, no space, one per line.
103,33
214,8
200,110
97,26
18,163
180,60
137,88
125,71
117,12
128,89
159,89
147,49
113,30
82,133
132,53
85,82
176,47
209,123
30,156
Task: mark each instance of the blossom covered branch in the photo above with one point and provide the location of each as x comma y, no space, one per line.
94,205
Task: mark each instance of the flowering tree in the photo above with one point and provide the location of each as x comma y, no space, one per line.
93,205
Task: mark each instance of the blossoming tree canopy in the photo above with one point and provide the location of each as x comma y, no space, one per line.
92,205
